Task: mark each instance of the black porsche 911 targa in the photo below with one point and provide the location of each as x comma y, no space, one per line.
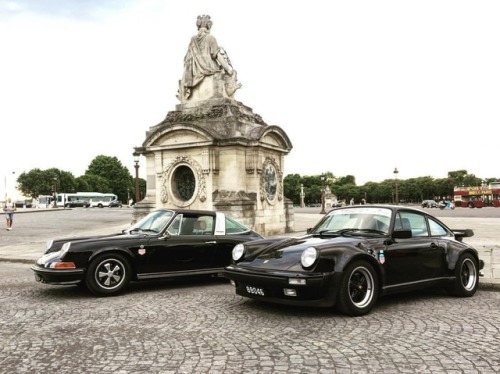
166,243
354,255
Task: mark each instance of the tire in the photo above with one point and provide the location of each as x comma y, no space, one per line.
466,276
358,289
108,274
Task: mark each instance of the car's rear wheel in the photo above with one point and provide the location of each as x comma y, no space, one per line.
466,276
358,290
108,274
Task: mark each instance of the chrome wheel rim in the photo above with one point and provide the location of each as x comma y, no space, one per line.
361,287
468,274
110,274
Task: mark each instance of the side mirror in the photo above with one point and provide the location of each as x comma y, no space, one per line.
401,234
309,229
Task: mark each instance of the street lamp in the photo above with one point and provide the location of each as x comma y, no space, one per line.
396,183
323,195
302,205
136,165
55,191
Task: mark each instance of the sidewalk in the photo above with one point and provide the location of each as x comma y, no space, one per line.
485,240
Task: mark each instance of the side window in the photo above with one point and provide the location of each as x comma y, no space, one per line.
204,225
188,225
415,222
174,227
437,229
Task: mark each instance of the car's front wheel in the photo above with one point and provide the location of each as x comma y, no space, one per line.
358,289
466,276
108,274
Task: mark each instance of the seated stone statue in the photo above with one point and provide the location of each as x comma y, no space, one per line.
203,59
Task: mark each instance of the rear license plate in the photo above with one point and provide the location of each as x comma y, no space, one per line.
255,291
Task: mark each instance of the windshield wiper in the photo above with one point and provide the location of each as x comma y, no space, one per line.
336,232
138,229
352,230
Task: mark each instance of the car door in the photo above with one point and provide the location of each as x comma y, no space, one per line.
415,259
184,248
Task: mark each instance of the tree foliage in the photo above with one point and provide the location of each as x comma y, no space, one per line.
104,174
409,190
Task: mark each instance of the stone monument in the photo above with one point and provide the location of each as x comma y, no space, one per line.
212,152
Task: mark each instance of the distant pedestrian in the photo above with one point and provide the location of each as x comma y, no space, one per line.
9,209
352,201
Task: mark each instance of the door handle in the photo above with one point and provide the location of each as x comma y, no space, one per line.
211,242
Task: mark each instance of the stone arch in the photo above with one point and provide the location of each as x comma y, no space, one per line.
177,134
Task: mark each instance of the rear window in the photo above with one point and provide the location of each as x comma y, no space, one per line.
233,227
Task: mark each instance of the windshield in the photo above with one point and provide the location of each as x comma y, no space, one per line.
154,222
370,219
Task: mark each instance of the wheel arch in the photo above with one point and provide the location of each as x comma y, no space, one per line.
115,250
455,253
346,260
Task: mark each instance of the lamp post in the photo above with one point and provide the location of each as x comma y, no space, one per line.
136,165
55,192
396,185
323,197
302,205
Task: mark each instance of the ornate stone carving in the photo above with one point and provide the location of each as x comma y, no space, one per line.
167,175
213,112
271,186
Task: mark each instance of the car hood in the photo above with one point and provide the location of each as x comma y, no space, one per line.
89,241
285,254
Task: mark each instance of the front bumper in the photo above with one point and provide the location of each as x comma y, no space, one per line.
57,276
318,290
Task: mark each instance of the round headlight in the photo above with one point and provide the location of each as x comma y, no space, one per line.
308,257
238,251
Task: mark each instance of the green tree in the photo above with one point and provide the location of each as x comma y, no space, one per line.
119,180
93,183
291,187
41,182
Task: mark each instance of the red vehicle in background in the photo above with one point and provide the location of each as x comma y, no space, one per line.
477,197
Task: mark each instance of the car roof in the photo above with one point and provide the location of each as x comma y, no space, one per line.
189,211
394,208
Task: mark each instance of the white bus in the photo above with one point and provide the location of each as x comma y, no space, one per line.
96,199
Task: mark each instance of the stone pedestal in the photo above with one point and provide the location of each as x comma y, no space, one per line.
217,154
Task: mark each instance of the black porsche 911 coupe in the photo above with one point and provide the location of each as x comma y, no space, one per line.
166,243
354,255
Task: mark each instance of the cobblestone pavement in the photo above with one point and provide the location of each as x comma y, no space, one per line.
203,327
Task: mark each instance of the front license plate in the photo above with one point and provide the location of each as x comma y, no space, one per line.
255,291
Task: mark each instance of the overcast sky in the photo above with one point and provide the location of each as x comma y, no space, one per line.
360,87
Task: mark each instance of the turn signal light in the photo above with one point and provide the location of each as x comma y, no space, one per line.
63,265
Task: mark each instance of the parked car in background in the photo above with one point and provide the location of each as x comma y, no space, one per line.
115,204
166,243
354,255
77,204
23,204
429,204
